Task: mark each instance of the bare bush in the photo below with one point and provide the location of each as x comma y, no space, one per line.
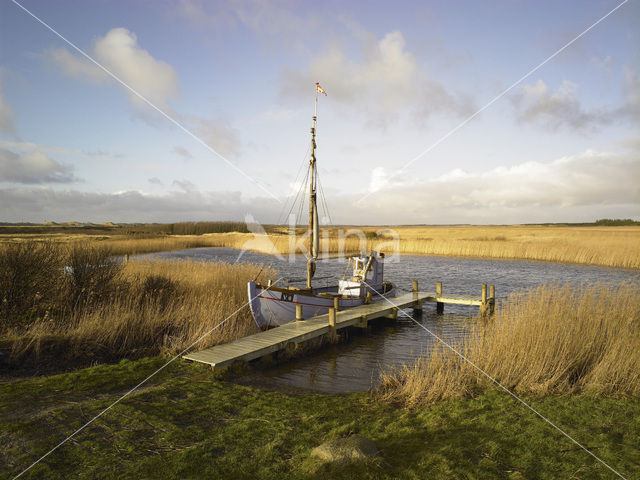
30,275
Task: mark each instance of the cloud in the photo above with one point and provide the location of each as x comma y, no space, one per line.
385,80
46,149
631,90
33,168
6,123
118,51
581,187
155,181
45,203
555,110
183,152
591,184
184,185
262,17
217,133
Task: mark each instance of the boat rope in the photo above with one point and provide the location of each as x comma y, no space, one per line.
284,205
324,199
302,189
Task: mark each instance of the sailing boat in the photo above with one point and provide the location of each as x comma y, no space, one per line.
272,306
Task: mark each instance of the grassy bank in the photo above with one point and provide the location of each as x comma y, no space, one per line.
184,424
549,340
101,311
613,246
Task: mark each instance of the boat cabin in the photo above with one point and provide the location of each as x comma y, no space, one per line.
360,280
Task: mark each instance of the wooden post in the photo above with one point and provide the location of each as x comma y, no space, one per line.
492,299
418,305
299,312
367,298
336,303
439,305
483,307
332,324
363,323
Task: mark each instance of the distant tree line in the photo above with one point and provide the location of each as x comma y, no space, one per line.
618,222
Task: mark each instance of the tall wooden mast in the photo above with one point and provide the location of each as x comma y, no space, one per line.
314,234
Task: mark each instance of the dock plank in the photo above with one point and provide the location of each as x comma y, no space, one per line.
262,343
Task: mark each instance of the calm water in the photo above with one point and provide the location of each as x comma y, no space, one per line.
356,365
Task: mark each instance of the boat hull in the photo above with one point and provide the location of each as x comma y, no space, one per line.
271,308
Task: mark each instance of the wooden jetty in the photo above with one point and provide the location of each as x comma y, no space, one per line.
287,335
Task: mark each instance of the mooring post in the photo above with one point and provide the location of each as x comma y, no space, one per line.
336,303
483,306
492,299
418,305
367,298
439,305
299,312
332,321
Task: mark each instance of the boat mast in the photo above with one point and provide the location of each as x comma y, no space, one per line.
313,207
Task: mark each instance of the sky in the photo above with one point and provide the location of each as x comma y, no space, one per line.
440,112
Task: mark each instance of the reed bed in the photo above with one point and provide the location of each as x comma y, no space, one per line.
157,307
549,340
596,245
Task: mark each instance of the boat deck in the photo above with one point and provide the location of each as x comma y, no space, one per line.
269,341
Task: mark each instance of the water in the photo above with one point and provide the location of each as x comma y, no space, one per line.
357,364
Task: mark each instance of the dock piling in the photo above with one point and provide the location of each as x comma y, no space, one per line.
439,305
492,299
483,299
299,312
417,307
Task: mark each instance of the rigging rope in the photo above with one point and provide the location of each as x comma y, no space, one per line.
284,205
324,199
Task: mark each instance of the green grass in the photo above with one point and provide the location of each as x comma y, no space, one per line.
186,424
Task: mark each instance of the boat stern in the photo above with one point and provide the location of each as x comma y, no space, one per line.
254,292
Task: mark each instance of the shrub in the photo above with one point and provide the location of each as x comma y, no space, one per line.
159,290
92,275
29,280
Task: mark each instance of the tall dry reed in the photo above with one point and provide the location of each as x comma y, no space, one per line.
549,340
596,245
161,307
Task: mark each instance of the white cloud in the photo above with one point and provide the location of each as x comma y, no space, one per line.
385,80
581,187
593,183
32,168
118,51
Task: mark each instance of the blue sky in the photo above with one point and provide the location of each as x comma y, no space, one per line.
561,145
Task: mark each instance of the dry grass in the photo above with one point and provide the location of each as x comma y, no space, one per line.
596,245
163,308
550,340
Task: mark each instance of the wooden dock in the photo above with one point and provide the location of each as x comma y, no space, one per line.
269,341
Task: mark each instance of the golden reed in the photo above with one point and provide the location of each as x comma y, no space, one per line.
201,296
595,245
549,340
